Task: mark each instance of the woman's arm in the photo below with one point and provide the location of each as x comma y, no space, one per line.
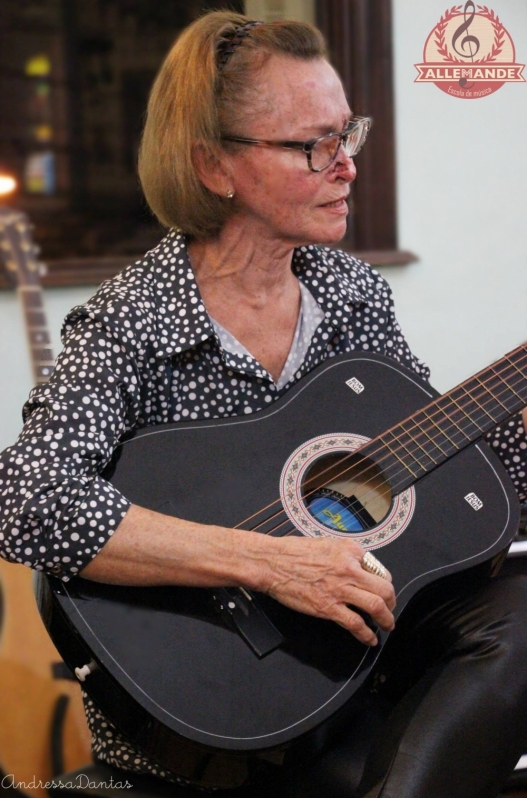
56,511
319,576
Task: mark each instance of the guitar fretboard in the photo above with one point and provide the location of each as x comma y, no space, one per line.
18,252
452,422
37,332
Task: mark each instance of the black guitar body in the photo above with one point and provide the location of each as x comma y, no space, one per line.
217,685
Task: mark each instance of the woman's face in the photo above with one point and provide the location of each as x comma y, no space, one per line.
276,194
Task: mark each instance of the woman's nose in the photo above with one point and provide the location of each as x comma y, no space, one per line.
344,166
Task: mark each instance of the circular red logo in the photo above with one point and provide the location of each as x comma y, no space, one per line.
469,54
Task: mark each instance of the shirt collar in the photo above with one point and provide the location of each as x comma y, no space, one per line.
183,319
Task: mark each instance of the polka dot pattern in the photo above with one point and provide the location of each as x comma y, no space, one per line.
143,351
509,441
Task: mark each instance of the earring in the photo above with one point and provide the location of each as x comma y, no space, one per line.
230,194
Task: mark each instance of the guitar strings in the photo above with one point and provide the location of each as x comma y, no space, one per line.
467,395
416,426
418,460
421,431
383,492
397,485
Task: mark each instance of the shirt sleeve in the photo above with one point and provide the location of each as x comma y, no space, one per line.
509,441
56,511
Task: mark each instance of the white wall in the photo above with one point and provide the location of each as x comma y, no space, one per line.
462,197
16,379
462,194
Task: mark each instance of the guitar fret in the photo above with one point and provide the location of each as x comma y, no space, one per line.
520,373
500,410
387,445
465,414
453,421
449,416
480,406
416,442
507,398
432,439
398,441
37,346
442,431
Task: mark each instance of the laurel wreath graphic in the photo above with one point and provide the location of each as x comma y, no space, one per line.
484,11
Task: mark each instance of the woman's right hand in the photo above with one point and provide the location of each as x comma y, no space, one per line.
324,577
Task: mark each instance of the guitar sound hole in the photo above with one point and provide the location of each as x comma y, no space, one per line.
346,493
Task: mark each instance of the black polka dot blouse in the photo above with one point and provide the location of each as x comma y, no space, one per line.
144,351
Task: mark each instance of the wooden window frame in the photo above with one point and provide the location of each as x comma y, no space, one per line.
359,37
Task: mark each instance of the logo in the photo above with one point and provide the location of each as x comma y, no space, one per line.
469,54
355,385
474,501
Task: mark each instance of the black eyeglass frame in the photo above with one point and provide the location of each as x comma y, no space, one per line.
307,146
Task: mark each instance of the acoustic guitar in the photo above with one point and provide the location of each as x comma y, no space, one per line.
43,731
219,684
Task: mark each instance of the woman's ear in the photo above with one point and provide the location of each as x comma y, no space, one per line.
212,169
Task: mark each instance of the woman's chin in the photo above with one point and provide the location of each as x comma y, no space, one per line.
331,233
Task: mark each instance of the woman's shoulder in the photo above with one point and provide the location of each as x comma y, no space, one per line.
128,304
118,302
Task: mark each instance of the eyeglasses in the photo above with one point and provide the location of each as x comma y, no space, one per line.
322,151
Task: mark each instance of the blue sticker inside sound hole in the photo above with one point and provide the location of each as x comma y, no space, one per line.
342,513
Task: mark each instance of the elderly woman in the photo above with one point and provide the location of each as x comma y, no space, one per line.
247,156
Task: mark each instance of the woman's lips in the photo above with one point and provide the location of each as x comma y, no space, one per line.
336,206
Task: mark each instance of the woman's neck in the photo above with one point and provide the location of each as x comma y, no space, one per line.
247,285
237,264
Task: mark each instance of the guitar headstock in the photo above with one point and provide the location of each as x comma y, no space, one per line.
17,249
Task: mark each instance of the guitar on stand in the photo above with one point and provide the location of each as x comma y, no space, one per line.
43,731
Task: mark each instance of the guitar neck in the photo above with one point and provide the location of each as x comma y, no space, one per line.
31,300
18,253
452,422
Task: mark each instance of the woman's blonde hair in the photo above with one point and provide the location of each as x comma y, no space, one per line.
193,101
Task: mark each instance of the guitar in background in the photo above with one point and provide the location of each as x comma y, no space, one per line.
43,730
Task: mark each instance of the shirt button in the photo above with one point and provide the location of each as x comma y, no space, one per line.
57,569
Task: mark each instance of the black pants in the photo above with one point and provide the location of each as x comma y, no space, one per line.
450,697
446,713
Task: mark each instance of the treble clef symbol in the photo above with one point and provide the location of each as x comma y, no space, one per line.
468,39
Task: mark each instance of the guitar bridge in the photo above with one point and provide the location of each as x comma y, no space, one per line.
239,609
